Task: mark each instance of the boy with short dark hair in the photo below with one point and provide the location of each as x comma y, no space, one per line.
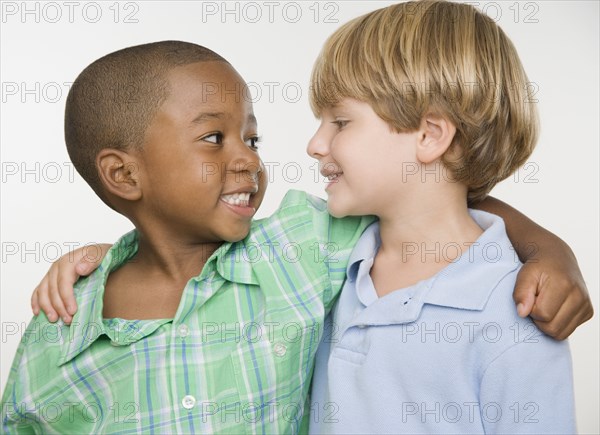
425,337
196,321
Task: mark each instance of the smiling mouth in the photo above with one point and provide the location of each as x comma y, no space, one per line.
331,172
240,203
237,199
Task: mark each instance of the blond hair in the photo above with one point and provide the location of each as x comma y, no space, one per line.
414,58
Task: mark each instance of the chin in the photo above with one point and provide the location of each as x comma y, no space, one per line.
237,235
344,210
336,212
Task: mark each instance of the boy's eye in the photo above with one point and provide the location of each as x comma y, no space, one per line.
253,142
341,123
216,138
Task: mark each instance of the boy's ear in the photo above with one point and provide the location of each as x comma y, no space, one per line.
119,172
435,136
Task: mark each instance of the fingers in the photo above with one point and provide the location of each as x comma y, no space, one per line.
524,300
59,307
55,295
35,306
570,327
561,300
526,289
64,274
91,257
44,301
48,297
575,310
558,328
552,295
85,267
63,292
35,296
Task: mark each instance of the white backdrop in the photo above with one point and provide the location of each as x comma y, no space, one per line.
47,208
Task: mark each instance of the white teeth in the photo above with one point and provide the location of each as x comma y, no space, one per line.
241,199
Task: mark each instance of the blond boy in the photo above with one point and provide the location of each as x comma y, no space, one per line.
424,338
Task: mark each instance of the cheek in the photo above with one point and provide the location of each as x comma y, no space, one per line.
365,171
263,183
263,179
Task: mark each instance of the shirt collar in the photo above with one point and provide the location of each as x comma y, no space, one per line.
366,248
232,261
472,277
475,275
87,324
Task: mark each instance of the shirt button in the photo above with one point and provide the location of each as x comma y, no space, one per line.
362,326
280,349
183,331
188,402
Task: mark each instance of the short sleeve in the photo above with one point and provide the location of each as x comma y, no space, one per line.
13,420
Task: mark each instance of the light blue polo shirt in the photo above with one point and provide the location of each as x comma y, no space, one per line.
447,355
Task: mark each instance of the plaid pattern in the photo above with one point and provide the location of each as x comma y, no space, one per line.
237,358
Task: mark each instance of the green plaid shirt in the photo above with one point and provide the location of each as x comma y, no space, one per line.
237,358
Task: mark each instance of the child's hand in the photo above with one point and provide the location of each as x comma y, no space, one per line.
551,289
55,292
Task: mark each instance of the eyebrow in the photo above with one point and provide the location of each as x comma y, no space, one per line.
207,116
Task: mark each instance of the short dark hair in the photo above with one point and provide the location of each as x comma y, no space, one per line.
114,99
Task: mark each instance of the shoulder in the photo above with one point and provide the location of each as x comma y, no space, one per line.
302,215
38,355
298,205
299,198
507,335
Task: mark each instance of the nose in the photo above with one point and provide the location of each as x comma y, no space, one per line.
247,162
318,145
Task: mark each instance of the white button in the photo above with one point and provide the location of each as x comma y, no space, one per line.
183,331
188,402
280,349
362,326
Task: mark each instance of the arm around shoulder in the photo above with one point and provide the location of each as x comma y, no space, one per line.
550,287
54,294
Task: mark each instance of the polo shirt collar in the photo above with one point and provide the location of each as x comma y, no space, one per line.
231,261
472,278
475,275
366,248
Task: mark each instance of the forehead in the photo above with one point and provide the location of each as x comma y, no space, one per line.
345,104
208,86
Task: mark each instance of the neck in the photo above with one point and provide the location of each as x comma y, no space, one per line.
428,227
171,258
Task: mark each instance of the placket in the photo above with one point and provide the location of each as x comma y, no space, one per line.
189,392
